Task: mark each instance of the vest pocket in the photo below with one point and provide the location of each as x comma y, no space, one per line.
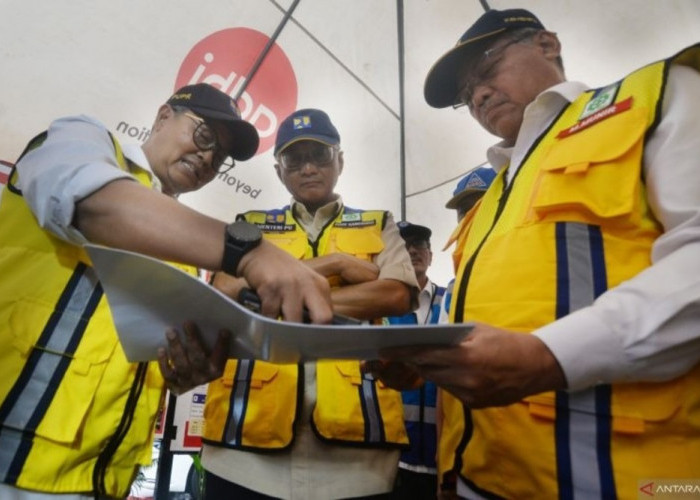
63,381
363,243
354,408
269,409
594,174
633,406
338,412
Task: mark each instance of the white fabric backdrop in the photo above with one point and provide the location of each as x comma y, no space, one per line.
119,60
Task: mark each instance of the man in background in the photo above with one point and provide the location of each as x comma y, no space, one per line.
470,189
417,477
466,194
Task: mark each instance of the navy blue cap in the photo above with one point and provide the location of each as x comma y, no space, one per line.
410,231
209,102
473,185
440,89
306,124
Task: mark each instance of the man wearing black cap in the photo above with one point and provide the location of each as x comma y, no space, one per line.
417,477
582,375
76,418
315,430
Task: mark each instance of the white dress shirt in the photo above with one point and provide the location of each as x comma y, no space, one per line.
76,159
426,297
647,328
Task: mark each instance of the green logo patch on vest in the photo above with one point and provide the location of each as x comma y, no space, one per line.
600,100
351,217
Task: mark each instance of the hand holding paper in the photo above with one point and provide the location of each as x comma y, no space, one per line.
148,297
188,365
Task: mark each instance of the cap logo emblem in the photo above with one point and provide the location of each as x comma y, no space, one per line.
181,96
301,122
274,218
475,181
520,20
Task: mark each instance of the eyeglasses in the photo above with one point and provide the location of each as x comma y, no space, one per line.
205,139
417,244
319,154
484,70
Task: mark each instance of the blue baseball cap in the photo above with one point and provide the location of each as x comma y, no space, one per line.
440,89
472,186
306,124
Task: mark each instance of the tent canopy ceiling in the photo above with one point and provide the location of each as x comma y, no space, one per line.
118,61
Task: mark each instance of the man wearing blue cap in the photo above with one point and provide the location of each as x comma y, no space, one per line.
467,193
76,418
470,189
581,378
315,430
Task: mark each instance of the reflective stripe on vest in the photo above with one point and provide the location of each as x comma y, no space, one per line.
581,218
350,407
60,341
374,425
239,401
44,369
584,465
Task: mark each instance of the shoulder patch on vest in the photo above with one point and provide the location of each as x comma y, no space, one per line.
604,113
602,98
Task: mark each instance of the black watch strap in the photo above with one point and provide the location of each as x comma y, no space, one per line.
240,238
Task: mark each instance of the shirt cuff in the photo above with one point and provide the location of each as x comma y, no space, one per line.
588,352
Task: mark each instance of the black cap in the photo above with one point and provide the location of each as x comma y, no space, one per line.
411,231
306,124
209,102
440,89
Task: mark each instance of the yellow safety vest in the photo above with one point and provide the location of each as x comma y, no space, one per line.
574,222
255,404
75,416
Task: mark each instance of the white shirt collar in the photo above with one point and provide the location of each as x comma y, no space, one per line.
136,155
425,302
428,288
324,213
313,224
538,114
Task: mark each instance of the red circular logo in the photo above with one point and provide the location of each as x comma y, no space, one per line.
223,59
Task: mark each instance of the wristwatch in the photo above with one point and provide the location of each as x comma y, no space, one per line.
240,238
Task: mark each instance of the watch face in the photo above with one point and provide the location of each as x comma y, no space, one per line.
244,232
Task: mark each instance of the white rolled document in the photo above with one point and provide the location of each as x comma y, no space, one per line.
146,296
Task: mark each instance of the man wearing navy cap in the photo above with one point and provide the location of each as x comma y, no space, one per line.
77,419
314,430
581,378
417,477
